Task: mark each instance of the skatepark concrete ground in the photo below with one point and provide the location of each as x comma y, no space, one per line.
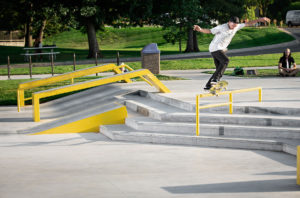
91,165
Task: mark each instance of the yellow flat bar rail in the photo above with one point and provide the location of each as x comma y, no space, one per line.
230,103
93,83
298,165
68,76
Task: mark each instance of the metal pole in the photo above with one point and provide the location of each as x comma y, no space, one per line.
96,61
230,105
197,115
8,67
74,62
298,165
260,95
118,58
52,65
30,67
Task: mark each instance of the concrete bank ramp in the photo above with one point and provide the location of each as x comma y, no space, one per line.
81,112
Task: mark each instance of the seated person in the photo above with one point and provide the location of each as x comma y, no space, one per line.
287,65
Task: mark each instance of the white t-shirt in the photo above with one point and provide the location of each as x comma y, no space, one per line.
223,36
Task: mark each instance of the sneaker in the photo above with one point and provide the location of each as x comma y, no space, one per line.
213,82
207,87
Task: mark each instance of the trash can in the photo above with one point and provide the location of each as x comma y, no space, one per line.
151,58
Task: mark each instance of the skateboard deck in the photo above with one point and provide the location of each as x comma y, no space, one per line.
217,88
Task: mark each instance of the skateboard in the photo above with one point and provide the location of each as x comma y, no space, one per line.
217,88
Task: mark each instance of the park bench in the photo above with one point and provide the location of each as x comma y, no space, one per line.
50,53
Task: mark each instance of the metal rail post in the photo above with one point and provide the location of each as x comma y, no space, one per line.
30,67
230,105
8,67
260,95
298,165
52,65
197,115
36,108
118,58
96,57
74,62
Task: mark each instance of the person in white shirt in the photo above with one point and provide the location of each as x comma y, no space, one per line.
218,46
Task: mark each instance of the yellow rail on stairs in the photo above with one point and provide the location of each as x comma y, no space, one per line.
145,73
229,103
68,76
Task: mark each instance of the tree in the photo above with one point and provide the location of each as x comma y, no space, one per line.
278,9
263,6
179,16
32,16
221,11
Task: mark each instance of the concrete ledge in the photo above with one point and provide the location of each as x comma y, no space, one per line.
115,132
216,129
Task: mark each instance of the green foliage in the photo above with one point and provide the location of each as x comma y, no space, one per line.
238,71
278,9
294,6
222,10
130,41
250,14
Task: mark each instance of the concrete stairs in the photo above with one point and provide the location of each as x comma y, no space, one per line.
166,120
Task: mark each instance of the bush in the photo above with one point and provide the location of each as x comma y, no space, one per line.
238,71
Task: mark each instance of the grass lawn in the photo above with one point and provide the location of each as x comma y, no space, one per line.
130,41
184,64
8,88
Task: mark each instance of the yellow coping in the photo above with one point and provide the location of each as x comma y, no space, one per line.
67,76
90,124
93,83
298,165
230,103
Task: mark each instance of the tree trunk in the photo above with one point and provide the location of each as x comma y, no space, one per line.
28,30
28,27
189,42
92,39
195,42
41,31
192,44
180,39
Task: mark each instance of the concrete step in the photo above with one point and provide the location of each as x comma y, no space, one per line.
125,133
163,112
148,124
187,103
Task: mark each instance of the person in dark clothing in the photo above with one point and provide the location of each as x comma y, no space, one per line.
218,46
287,65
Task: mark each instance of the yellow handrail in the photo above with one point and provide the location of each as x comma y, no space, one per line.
230,103
93,83
67,76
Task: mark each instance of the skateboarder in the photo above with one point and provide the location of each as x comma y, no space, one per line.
218,46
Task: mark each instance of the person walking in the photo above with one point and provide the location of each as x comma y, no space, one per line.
218,46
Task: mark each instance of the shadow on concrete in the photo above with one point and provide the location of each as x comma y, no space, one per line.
292,173
282,158
59,140
280,185
16,120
